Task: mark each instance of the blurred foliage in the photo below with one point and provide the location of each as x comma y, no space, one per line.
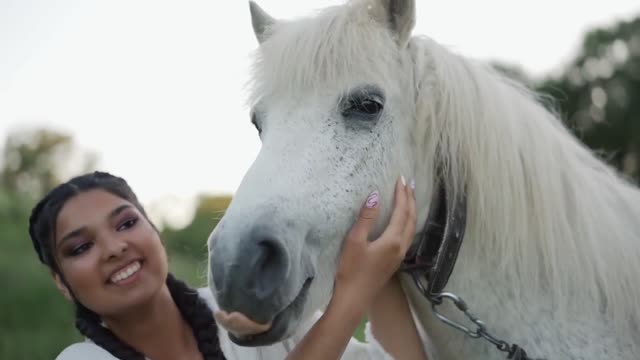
191,241
597,95
513,72
35,321
34,161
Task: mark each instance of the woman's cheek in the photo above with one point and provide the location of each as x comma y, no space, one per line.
83,271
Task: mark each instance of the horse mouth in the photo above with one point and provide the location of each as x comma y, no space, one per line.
280,324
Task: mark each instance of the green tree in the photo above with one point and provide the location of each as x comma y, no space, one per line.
35,160
36,321
187,247
513,72
598,94
191,241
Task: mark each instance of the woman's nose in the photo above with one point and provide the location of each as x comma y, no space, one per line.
114,247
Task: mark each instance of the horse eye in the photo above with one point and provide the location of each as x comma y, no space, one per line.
364,107
368,106
254,121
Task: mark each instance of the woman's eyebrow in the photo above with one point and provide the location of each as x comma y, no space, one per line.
70,235
118,210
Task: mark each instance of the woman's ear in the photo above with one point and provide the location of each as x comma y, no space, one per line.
61,286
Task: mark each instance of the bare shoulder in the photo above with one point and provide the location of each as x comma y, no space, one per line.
84,350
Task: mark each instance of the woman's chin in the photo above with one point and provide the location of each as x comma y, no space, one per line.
134,296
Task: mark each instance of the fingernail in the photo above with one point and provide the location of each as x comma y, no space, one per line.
373,200
412,184
404,182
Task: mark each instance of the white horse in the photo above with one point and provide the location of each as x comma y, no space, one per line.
346,101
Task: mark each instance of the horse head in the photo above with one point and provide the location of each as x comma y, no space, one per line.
333,101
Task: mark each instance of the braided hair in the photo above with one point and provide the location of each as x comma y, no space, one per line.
42,227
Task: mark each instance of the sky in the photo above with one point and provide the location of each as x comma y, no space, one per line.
156,88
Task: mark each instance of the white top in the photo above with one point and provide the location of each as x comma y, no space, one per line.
355,350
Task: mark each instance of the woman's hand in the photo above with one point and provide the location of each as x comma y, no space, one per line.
366,266
366,275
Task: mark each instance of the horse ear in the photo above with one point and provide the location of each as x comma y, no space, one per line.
261,21
401,17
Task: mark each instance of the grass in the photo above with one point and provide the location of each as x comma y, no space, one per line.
36,322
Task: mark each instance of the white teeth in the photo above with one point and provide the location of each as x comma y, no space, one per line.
126,272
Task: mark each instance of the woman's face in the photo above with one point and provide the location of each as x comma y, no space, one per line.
109,254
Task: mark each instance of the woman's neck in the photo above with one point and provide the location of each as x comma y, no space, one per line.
156,329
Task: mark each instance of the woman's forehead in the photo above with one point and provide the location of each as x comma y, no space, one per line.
86,209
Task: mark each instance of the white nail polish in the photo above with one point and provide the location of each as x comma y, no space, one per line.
404,182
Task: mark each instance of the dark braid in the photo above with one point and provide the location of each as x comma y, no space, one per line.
199,316
193,309
90,325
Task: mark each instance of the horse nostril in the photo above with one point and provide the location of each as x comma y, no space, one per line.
270,267
248,271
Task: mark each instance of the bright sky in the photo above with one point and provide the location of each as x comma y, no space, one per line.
156,87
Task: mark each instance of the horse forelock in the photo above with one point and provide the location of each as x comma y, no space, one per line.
330,50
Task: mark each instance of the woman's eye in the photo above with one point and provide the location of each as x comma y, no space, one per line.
127,224
80,249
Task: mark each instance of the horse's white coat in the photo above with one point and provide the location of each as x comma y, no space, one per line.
551,257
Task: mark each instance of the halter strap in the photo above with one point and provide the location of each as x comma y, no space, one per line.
435,253
430,261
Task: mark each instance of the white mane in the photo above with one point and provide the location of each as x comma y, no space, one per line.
543,209
545,215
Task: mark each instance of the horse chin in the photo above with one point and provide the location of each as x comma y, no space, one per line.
282,324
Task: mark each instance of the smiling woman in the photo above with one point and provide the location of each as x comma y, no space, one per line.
107,258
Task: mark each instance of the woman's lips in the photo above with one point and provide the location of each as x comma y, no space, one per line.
126,274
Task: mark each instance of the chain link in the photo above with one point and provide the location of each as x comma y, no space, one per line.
481,329
513,351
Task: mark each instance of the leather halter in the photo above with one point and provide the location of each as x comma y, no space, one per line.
434,255
430,261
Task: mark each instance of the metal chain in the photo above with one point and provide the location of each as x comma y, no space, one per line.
480,331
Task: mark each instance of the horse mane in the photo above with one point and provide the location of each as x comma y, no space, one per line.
542,208
545,214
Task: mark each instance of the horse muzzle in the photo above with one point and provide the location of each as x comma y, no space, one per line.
255,273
